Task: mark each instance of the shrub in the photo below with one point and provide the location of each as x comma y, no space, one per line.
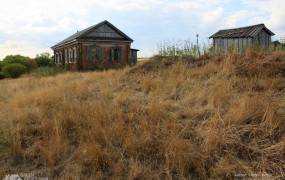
181,49
14,70
30,64
44,59
1,64
15,59
26,61
3,75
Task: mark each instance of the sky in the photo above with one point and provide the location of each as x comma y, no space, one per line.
32,26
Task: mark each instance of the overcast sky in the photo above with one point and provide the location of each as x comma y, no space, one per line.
32,26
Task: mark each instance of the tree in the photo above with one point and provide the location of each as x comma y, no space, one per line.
1,64
26,61
15,59
44,59
31,64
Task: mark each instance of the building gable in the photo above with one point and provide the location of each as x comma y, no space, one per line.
104,32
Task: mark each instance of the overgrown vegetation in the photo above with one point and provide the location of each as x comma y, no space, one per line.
44,60
182,49
13,66
46,71
188,49
213,117
14,70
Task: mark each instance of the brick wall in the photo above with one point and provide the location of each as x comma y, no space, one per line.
82,62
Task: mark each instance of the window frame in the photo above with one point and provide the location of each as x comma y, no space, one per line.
116,54
66,55
55,58
91,54
60,58
74,54
70,55
99,55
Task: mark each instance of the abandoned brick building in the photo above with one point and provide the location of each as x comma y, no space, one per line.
100,46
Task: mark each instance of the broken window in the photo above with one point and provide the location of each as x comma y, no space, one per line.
116,54
91,54
99,54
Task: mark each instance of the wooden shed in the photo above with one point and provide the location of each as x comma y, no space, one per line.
239,39
100,46
276,44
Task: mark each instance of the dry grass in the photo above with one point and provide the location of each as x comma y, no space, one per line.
164,119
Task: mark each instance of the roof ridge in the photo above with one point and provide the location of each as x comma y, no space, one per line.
244,27
246,31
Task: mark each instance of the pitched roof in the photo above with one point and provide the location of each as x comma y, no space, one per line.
242,32
80,34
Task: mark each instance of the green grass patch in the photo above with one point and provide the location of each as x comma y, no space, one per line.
46,71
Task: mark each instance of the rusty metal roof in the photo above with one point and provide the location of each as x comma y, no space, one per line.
243,32
80,34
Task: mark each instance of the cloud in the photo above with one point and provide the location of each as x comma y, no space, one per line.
212,16
53,15
36,25
127,5
274,9
238,18
14,47
39,16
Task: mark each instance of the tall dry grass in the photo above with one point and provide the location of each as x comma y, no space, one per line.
209,118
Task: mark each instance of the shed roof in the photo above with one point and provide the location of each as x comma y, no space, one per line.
80,34
249,31
276,42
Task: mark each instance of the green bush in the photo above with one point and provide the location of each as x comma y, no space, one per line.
44,59
2,63
30,64
26,61
3,75
15,59
14,70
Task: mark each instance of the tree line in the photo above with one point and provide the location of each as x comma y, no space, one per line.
13,66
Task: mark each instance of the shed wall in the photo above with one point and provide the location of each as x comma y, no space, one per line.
236,44
262,39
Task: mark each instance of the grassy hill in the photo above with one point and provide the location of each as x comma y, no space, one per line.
212,117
